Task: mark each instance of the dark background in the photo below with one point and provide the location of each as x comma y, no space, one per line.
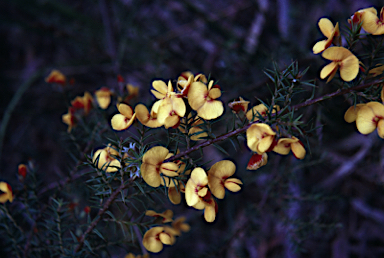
329,205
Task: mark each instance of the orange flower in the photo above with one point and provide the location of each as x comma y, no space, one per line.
84,102
103,97
341,58
284,145
218,178
260,137
239,105
105,159
153,166
154,239
69,119
329,31
166,215
257,161
22,170
203,100
123,120
56,77
5,192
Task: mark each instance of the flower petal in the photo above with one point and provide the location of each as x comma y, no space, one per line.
211,109
349,68
326,27
197,95
365,121
233,184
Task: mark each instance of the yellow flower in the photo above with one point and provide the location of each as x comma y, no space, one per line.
160,89
378,70
123,120
196,186
259,110
146,118
185,80
69,119
203,100
260,137
5,192
209,205
153,166
329,31
56,77
257,161
341,58
371,23
133,91
239,105
369,117
351,114
105,160
103,97
179,225
166,215
154,239
131,255
218,178
284,145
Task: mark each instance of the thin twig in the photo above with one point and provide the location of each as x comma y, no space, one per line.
295,108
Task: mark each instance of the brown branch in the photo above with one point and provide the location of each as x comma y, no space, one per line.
99,215
295,108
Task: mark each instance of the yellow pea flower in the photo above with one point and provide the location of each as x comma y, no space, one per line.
257,161
103,97
376,71
133,91
239,105
209,205
260,137
155,237
371,23
369,117
153,166
146,118
284,145
123,120
185,80
104,159
131,255
341,58
330,32
5,192
160,89
196,186
218,178
179,225
203,100
56,77
261,109
351,114
166,215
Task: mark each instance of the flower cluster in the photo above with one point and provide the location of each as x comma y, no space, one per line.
156,237
368,116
